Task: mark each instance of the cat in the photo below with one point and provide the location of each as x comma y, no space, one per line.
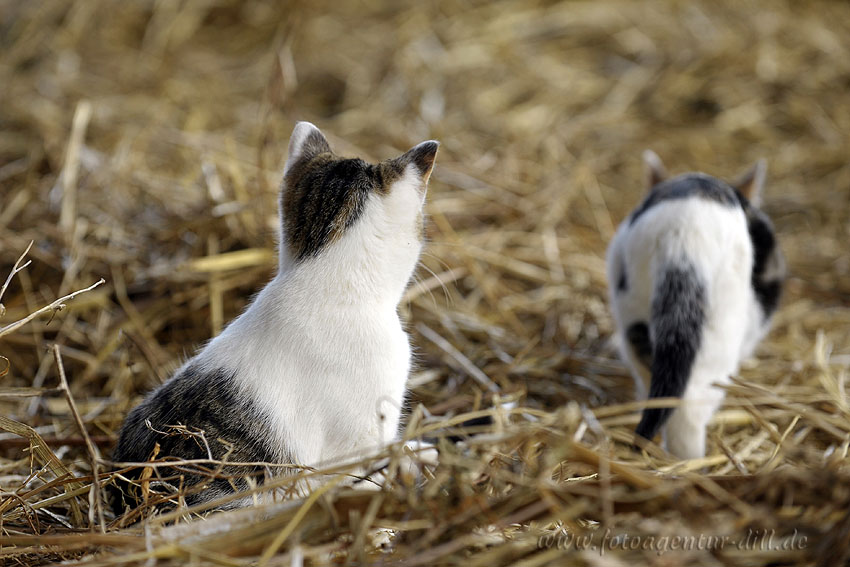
314,371
694,274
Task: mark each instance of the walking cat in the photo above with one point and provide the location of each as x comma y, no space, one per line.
314,371
694,276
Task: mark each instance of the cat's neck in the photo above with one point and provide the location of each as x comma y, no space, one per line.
325,286
370,270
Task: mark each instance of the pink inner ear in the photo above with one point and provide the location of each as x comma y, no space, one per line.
427,175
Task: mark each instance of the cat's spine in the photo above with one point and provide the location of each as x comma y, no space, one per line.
678,315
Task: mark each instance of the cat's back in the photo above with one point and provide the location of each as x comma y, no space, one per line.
312,362
692,217
693,223
295,320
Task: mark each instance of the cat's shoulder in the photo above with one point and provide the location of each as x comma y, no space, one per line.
693,186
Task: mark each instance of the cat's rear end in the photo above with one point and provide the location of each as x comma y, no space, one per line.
692,291
196,416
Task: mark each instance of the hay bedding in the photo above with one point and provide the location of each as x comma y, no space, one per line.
142,143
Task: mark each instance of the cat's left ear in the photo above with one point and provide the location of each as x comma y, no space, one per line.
751,183
422,156
306,141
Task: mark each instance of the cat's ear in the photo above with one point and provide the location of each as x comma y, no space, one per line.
306,141
751,182
422,156
654,170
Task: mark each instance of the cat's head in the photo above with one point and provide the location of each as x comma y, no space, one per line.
769,269
356,221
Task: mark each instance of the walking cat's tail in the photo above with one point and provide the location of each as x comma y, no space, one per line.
678,314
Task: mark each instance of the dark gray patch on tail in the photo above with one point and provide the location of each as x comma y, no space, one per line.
697,185
207,402
678,315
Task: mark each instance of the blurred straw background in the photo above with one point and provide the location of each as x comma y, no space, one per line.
142,143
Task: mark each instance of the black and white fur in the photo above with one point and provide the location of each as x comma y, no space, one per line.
694,276
314,371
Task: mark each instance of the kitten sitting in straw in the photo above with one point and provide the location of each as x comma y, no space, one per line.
314,371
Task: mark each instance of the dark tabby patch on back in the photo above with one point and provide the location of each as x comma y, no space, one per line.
325,195
688,185
193,402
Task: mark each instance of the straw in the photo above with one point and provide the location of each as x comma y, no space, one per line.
143,145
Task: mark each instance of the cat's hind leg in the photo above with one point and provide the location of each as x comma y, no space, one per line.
684,434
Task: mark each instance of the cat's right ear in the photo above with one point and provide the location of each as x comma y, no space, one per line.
306,142
654,170
422,156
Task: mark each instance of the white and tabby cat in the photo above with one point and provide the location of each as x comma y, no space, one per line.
694,275
315,370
